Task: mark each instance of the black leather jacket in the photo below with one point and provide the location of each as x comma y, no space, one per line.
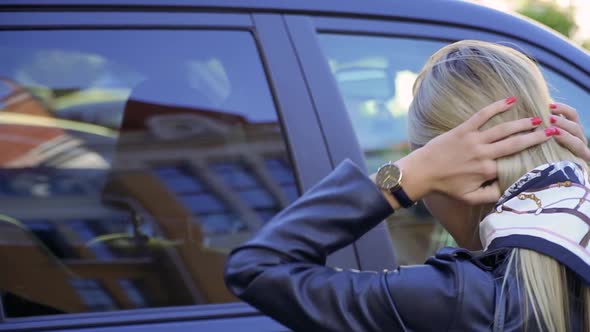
281,271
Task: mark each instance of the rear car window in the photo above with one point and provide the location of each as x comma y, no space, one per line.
132,163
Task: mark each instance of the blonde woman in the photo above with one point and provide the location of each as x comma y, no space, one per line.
495,165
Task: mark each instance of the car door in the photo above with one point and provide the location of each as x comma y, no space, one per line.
361,72
139,148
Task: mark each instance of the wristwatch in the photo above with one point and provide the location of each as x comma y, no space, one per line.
389,178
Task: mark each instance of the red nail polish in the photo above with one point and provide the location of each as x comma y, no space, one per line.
510,100
536,121
553,106
552,119
556,131
549,132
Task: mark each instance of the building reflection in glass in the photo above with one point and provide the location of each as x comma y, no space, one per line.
131,196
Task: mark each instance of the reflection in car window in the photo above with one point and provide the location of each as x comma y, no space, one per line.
130,169
375,76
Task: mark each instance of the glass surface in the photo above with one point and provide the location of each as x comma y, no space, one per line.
375,76
132,162
565,91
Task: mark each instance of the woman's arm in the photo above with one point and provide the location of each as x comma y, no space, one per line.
280,271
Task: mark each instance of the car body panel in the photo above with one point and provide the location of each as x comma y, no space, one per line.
439,12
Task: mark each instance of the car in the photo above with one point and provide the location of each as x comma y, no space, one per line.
143,140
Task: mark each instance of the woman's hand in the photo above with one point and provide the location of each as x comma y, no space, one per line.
570,133
460,161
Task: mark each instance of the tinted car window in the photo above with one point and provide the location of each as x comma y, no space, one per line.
564,90
132,163
375,76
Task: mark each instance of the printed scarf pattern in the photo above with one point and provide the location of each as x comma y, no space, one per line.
547,210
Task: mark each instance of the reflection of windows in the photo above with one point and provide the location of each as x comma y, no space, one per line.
242,181
133,293
87,233
51,239
178,180
47,182
213,214
93,295
235,175
202,203
281,172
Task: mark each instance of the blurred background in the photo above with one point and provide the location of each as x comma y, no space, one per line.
571,18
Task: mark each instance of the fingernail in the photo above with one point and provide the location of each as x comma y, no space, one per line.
510,100
536,121
551,131
552,119
553,106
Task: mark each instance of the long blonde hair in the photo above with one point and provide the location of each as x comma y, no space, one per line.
461,79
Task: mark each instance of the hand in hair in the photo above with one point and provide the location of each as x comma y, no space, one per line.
571,133
462,162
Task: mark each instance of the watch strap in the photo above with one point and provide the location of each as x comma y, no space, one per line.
401,196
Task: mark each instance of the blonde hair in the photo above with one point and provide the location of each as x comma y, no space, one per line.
461,79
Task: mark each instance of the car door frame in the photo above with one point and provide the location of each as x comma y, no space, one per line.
373,248
303,137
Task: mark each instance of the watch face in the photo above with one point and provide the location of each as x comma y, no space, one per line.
388,176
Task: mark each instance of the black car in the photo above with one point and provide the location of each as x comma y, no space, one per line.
142,140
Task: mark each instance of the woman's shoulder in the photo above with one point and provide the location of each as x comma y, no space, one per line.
449,272
486,261
456,286
478,278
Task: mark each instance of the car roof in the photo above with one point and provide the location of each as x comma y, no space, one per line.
448,12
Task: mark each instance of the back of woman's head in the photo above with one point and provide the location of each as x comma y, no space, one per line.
456,82
466,76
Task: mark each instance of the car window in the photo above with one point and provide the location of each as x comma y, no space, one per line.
132,163
375,76
564,90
